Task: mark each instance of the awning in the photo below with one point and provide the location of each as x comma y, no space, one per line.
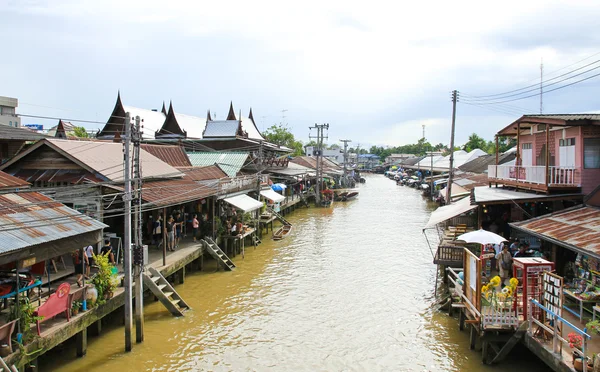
272,195
449,211
499,195
244,202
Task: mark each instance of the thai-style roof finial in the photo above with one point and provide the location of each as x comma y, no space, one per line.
251,116
208,117
164,110
231,114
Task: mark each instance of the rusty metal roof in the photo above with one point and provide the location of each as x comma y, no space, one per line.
566,117
9,182
72,176
172,192
173,155
577,228
212,172
30,218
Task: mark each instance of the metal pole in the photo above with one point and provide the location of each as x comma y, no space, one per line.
451,170
127,248
547,154
139,267
431,188
164,235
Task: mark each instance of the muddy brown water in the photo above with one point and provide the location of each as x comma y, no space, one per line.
350,290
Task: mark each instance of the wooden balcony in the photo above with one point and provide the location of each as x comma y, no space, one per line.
535,177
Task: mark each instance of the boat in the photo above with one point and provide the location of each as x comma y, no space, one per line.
282,232
351,195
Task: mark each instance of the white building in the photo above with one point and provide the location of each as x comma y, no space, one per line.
8,115
397,157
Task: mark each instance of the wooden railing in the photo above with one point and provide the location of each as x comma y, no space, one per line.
557,176
449,254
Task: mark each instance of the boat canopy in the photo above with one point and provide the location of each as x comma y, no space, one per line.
449,211
244,202
272,195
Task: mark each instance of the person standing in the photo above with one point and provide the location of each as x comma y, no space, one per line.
107,250
178,228
170,231
89,260
195,226
157,232
505,261
78,265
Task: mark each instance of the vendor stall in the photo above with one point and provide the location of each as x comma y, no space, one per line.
583,291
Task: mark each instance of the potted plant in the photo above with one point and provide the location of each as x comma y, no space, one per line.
103,279
75,306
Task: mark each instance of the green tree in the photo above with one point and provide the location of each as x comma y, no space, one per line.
281,135
334,146
80,132
475,142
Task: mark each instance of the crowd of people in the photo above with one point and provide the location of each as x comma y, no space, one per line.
505,252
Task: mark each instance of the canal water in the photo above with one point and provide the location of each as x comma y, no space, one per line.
350,290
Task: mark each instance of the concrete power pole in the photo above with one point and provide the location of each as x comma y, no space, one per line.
138,259
345,154
451,170
127,229
320,136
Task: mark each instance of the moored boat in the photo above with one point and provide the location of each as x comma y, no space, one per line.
282,232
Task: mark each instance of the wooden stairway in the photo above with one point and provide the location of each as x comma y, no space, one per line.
163,290
304,200
216,252
280,217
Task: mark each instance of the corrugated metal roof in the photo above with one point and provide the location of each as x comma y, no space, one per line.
577,228
11,133
566,117
173,155
9,182
212,172
480,164
229,162
311,162
485,194
73,176
221,128
30,218
106,158
172,192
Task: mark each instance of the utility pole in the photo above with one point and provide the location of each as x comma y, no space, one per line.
320,136
423,125
345,154
138,259
451,170
127,224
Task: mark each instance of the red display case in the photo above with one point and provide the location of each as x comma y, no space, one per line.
528,270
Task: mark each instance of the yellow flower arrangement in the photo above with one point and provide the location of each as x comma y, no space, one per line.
514,282
495,281
485,288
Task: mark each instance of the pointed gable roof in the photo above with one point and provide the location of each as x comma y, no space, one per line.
170,128
60,130
251,116
231,114
208,117
116,121
164,110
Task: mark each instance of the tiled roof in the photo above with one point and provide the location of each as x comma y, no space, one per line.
10,182
30,218
230,162
173,155
211,172
577,228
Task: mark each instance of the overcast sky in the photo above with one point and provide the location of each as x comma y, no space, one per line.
375,71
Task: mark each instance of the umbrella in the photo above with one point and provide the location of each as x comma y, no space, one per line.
481,237
278,187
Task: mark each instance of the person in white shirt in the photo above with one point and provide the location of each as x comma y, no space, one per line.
89,252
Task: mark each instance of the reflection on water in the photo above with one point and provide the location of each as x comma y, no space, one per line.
350,289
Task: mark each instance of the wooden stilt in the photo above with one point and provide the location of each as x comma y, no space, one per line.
484,351
472,338
461,320
81,341
182,276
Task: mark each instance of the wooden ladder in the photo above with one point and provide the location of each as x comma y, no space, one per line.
279,217
216,252
163,290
